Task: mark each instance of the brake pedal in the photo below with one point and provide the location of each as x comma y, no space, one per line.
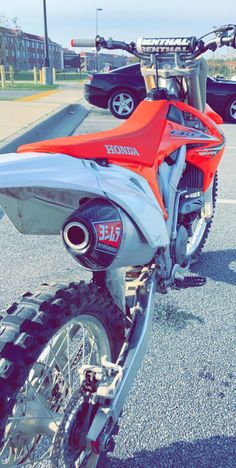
189,282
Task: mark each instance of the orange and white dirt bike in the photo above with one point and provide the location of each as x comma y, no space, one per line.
134,205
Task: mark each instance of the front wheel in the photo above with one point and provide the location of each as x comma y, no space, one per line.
122,104
44,340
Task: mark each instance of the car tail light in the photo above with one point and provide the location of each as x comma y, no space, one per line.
88,79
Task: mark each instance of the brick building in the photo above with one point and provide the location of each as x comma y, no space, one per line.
88,61
24,50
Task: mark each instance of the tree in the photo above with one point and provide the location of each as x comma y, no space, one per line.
4,23
219,67
15,22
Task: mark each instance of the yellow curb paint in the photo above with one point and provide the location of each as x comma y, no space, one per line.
33,97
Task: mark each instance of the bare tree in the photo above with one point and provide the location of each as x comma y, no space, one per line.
15,22
4,23
4,20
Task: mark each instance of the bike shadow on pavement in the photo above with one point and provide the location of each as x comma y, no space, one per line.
219,265
169,314
217,451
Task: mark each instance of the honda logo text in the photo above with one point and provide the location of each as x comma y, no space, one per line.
121,150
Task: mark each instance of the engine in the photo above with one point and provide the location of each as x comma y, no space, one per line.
100,235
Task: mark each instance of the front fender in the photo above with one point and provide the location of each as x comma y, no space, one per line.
39,190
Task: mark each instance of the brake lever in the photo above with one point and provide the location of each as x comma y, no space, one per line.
225,28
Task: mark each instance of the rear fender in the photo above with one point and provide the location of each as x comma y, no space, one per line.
38,191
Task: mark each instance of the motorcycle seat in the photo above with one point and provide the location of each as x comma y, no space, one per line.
136,140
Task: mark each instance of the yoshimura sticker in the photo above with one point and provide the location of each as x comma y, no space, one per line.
108,235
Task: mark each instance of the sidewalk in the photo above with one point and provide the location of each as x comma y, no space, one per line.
22,114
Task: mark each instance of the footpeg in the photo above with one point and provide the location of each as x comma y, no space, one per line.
189,282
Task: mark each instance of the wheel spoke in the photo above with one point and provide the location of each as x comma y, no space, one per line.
129,101
79,364
38,396
29,453
68,362
83,349
59,365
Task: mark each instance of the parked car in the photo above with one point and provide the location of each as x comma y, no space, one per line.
122,89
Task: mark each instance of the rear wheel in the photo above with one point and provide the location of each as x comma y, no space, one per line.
201,228
44,340
122,103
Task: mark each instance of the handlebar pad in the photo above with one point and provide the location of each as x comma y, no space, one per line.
83,43
155,45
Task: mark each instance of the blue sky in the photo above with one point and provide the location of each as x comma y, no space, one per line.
120,19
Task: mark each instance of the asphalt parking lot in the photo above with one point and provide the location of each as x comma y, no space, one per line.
181,409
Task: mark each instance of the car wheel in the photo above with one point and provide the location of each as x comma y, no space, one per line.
122,104
230,110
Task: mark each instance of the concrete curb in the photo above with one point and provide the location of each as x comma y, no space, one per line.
62,122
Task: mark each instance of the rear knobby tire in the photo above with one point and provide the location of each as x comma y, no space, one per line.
30,324
207,226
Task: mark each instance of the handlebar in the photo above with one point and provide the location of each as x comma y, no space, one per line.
83,43
188,47
99,43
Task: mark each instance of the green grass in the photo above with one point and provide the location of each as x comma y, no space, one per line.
28,87
60,76
5,98
70,76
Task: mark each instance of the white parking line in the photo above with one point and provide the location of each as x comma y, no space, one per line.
101,120
226,201
230,147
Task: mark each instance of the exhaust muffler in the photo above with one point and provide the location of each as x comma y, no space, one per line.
100,235
76,236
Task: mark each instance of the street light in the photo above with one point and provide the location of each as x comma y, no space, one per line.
97,10
46,54
47,71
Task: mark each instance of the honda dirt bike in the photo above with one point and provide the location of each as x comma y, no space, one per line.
134,205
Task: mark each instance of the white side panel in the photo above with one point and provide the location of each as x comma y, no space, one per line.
45,170
134,194
38,191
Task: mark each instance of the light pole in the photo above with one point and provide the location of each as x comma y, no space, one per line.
46,54
47,71
96,56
